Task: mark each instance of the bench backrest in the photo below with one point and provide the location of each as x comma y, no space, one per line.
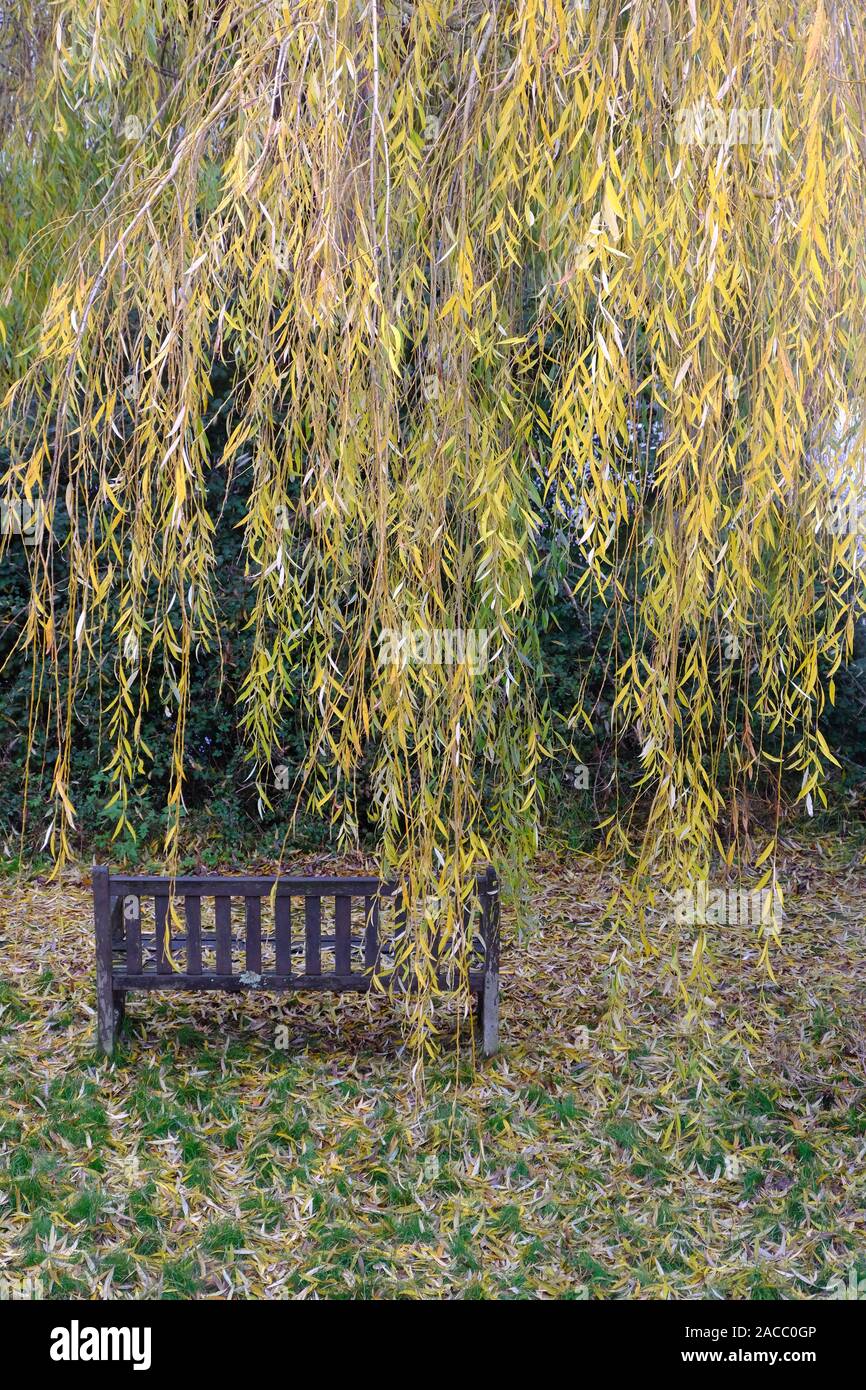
334,931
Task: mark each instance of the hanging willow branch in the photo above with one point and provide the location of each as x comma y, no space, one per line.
448,249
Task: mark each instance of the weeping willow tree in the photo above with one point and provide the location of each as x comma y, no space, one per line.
467,261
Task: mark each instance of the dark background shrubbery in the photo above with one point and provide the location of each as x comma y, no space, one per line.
220,801
222,813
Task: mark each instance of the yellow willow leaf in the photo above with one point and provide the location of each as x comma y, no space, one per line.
816,35
765,853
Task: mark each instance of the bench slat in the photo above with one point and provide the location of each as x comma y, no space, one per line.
223,914
283,935
233,983
192,908
313,931
132,918
401,924
343,929
210,939
148,886
254,935
371,935
163,965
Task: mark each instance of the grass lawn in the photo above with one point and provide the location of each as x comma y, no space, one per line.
204,1161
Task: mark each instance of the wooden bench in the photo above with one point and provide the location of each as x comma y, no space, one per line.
238,933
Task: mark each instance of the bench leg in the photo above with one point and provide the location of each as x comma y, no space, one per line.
110,1013
105,1018
104,992
119,1001
488,999
488,1015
